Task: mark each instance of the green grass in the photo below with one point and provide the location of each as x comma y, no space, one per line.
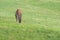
40,20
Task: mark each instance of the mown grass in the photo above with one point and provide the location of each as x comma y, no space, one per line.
40,20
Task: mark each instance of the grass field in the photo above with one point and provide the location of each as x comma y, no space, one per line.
40,20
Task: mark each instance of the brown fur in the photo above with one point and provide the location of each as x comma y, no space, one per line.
18,15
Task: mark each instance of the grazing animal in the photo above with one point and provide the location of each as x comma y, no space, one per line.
18,15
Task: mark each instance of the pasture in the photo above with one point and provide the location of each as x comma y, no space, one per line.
40,20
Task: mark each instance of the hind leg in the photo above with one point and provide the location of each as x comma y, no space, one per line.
16,17
19,19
